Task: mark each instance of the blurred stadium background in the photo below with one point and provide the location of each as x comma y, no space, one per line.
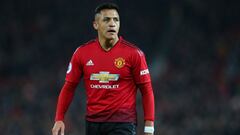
192,48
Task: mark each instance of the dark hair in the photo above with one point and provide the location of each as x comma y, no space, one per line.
103,6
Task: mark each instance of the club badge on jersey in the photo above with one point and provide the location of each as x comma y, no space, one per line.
119,62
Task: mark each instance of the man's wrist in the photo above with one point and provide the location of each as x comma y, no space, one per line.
149,129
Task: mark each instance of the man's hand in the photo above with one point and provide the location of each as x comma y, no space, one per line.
58,127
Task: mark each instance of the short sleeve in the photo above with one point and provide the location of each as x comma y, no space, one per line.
74,71
140,68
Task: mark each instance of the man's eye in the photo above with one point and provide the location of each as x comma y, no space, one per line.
116,19
105,19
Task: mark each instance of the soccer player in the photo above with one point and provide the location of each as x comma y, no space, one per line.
113,70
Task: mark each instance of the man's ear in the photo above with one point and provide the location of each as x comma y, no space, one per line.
95,25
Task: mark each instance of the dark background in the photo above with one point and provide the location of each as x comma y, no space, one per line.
192,48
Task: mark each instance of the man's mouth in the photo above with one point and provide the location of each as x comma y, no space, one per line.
111,31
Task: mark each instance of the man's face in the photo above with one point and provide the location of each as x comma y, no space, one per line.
107,24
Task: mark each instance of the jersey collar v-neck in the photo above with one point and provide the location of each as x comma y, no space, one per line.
100,47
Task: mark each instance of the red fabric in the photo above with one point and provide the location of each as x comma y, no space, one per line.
64,99
110,79
148,101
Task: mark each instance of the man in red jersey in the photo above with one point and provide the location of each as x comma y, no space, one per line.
112,69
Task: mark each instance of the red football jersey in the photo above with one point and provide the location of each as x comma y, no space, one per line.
110,79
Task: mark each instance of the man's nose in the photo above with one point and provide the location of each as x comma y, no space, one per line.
112,23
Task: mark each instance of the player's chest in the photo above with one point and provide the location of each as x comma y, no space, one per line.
106,65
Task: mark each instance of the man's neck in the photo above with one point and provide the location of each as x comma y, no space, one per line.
108,44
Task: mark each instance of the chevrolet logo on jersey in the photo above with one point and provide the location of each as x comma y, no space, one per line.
104,77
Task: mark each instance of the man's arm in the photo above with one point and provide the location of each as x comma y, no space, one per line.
143,80
64,100
148,107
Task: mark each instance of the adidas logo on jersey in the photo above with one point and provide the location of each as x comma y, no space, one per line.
89,63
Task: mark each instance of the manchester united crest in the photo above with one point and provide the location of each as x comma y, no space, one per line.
119,62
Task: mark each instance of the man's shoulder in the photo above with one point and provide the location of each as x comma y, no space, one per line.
85,46
132,47
88,43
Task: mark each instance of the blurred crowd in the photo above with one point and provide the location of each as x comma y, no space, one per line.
192,48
